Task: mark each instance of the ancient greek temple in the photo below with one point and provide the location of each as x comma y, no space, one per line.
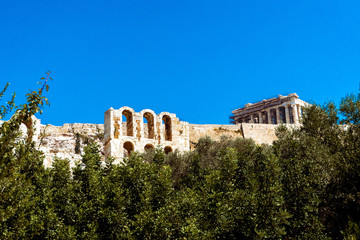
282,109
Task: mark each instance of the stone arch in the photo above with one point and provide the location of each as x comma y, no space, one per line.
148,147
149,128
167,149
168,127
129,126
128,148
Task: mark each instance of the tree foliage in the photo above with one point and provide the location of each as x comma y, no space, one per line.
21,171
304,186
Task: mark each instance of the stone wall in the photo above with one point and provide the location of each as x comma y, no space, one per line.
126,130
214,131
260,133
141,130
60,141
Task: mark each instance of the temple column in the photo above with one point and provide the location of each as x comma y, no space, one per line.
260,118
299,112
278,120
269,120
295,114
252,118
287,114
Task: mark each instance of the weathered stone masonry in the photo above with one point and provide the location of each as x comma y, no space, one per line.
283,109
143,130
60,141
126,130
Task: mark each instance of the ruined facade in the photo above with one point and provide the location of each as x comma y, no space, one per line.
282,109
126,130
61,141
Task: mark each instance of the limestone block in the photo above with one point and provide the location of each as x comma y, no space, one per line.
214,131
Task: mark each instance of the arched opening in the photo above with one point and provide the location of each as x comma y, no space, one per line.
149,128
128,124
128,148
167,121
167,150
148,147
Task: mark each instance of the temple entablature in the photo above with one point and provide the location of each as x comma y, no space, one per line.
126,130
282,109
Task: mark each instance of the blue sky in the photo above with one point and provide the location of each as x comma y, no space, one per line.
197,59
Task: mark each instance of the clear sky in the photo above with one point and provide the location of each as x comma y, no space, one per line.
197,59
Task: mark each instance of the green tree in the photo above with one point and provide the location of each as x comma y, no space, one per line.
97,201
21,170
343,194
306,164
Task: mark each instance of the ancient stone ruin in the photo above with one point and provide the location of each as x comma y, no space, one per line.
127,131
282,109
